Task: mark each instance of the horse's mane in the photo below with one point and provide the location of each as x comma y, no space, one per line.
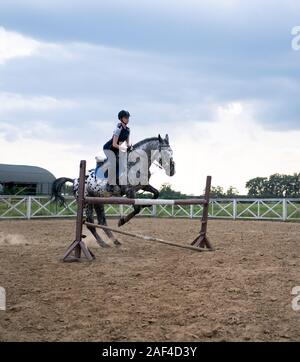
140,143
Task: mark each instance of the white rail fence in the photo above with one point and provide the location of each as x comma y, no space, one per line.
30,207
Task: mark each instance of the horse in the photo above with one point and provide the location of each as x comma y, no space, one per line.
154,148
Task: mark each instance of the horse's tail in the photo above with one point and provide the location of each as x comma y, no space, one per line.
57,186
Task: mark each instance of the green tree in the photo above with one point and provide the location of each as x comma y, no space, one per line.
217,191
166,192
232,192
276,185
257,186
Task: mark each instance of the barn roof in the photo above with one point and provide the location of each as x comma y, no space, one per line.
24,174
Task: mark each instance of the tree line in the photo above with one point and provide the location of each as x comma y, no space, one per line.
274,186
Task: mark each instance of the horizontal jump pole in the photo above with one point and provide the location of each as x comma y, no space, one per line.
126,201
147,238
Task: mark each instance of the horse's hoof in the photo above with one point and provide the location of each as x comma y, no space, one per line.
121,222
117,243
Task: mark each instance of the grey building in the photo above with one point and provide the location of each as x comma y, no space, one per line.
28,180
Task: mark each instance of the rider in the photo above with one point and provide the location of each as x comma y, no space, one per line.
120,135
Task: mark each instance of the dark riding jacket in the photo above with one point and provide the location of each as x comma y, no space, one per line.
122,134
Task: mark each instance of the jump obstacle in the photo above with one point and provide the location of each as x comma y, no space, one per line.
201,242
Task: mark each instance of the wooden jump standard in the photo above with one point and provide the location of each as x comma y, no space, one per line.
201,242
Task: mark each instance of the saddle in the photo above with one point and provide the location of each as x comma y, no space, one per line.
98,172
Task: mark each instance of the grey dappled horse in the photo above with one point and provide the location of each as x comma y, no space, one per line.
154,148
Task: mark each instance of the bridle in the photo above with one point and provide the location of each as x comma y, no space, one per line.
160,148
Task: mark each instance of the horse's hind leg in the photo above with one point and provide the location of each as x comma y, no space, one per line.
90,219
100,211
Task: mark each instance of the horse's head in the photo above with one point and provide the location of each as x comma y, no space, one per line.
165,157
154,150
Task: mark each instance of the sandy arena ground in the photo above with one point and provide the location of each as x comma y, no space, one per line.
150,292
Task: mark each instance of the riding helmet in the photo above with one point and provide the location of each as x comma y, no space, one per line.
122,114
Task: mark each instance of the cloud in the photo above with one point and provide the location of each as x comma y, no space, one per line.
59,158
29,131
164,86
233,149
29,146
11,102
220,77
218,27
14,45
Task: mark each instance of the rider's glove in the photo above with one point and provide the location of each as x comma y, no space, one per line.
123,147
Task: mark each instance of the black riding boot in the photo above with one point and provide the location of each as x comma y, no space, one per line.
113,188
110,188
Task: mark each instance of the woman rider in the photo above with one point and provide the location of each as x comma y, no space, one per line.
120,135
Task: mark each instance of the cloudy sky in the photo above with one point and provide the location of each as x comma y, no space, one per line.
220,77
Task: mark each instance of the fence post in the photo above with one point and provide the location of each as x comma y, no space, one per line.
191,211
153,210
234,209
28,207
78,245
284,209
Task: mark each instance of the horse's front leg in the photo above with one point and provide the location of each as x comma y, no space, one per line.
100,211
130,194
152,190
90,219
124,219
136,209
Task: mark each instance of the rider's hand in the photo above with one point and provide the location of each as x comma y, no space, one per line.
123,147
